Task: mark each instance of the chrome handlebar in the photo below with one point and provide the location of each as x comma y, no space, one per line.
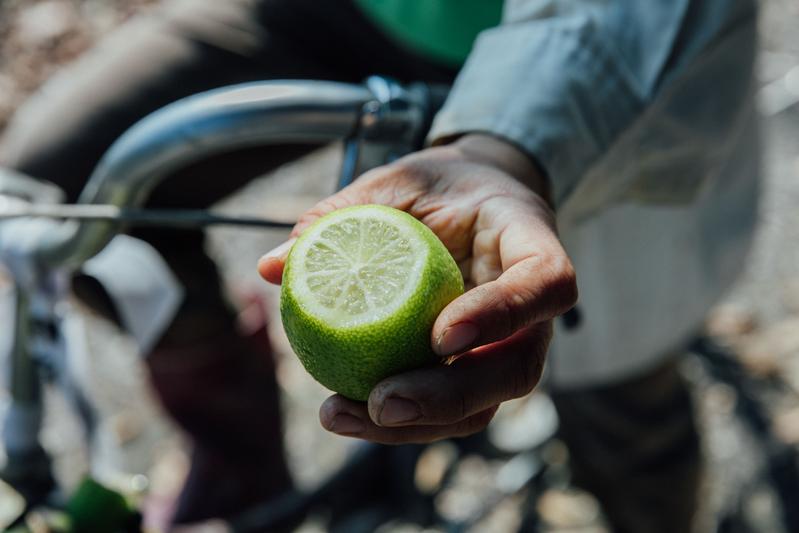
248,115
378,121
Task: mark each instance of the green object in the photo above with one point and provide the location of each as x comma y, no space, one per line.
443,30
361,290
95,509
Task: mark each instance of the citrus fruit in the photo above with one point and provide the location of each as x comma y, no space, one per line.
361,289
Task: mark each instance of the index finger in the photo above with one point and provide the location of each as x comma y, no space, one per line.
537,281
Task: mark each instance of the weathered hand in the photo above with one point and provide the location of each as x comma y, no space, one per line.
485,201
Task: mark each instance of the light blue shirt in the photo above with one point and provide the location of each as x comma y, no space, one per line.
641,113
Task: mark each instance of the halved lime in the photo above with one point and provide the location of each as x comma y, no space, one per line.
362,288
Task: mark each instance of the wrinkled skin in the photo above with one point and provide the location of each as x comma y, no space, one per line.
486,201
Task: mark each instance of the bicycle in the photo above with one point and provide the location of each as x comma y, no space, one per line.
378,122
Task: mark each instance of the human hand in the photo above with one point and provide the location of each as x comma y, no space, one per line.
485,201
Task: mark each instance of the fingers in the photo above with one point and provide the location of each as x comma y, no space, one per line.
386,186
270,266
536,283
444,401
394,185
479,379
531,291
351,419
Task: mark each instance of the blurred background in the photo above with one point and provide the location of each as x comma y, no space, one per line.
138,449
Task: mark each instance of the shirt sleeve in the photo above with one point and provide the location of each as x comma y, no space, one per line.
563,79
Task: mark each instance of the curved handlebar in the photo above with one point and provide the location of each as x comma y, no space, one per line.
191,129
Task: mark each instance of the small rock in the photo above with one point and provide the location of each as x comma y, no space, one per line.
729,320
767,351
524,423
432,466
760,363
720,398
780,339
505,516
568,508
126,426
43,24
786,426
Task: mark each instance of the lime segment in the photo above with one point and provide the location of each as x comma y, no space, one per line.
359,268
359,265
361,290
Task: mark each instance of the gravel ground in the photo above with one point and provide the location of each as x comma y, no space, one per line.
760,318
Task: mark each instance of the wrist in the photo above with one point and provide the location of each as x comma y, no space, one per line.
501,154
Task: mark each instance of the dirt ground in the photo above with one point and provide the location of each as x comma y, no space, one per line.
139,450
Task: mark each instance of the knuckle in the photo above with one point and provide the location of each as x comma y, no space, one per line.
323,207
402,171
512,307
509,306
474,423
526,372
328,205
455,402
459,404
399,184
402,436
562,282
305,220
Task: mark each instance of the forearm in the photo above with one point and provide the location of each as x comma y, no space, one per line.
563,82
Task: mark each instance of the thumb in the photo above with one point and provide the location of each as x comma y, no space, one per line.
390,186
270,265
533,290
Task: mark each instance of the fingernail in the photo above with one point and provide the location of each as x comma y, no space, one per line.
398,411
456,338
279,250
345,424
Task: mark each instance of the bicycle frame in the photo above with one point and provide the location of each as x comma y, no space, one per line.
379,120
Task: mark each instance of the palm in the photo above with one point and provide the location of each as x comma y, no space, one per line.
475,211
503,237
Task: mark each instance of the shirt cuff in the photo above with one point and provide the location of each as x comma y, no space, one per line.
549,87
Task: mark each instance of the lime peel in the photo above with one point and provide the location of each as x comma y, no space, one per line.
361,290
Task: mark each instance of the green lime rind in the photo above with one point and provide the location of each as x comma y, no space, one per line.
352,361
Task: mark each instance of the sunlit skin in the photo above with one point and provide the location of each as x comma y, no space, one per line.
486,202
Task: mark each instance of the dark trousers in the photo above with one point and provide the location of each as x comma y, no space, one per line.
634,444
196,45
